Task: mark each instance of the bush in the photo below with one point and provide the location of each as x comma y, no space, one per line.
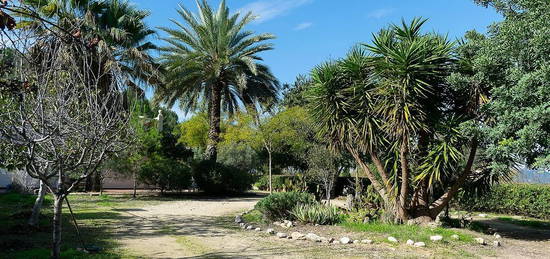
316,214
278,206
530,200
216,178
166,173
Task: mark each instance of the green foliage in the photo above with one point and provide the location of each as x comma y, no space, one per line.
404,232
280,183
216,178
165,173
363,215
316,214
194,132
278,206
516,199
513,61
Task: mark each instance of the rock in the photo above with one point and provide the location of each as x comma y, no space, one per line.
287,224
298,236
289,237
496,243
482,215
270,231
336,242
281,235
277,223
313,237
243,225
410,242
436,238
497,235
356,241
249,227
367,241
345,240
480,241
455,237
258,229
392,239
238,219
419,244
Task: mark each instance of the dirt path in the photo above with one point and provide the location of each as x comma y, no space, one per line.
204,229
519,241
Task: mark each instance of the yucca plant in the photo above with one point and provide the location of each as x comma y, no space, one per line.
316,214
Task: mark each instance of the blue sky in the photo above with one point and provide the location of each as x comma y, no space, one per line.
312,31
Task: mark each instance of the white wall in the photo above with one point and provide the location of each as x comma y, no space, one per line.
5,178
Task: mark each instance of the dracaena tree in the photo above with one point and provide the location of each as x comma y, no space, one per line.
388,105
212,58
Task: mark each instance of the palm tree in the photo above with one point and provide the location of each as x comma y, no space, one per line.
211,58
115,25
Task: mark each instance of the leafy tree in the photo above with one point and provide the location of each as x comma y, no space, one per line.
514,61
212,58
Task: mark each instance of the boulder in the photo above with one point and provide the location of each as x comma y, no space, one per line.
238,219
243,225
313,237
281,235
497,235
392,239
480,241
345,240
249,227
258,229
419,244
496,243
270,231
410,242
367,241
298,236
436,238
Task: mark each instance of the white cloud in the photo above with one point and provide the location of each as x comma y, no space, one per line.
269,9
381,13
303,26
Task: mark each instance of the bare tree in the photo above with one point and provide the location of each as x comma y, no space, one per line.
58,114
323,168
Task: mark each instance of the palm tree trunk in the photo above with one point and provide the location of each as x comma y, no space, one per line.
215,119
35,216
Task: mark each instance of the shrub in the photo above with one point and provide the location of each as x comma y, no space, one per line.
216,178
530,200
278,206
363,215
316,214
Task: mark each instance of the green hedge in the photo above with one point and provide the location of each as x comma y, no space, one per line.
532,200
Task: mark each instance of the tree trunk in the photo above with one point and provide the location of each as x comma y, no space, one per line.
56,244
135,186
35,216
270,173
215,119
438,205
404,190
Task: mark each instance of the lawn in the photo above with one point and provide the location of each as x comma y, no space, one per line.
96,216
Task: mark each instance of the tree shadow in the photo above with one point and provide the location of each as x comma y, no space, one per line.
513,230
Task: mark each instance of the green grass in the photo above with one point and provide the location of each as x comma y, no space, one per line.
253,216
405,232
526,222
97,217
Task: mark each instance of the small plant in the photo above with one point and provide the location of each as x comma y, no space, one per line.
363,215
316,214
278,206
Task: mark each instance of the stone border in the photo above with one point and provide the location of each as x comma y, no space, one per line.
344,240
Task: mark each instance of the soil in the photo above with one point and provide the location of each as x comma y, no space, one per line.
204,228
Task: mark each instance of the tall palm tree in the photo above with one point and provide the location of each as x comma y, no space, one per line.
211,58
116,25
